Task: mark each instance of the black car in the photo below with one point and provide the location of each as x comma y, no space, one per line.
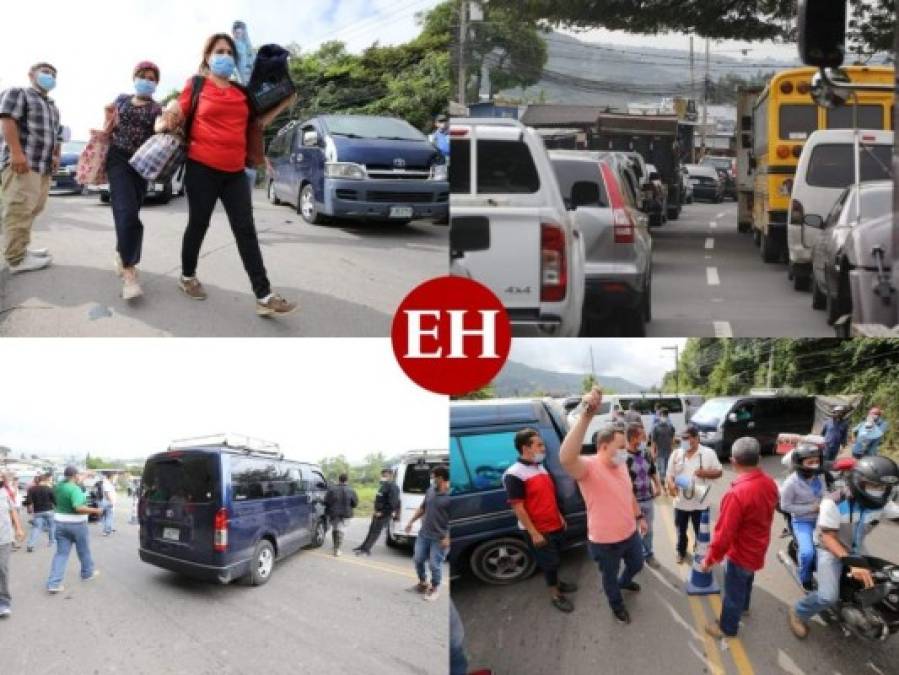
727,169
707,183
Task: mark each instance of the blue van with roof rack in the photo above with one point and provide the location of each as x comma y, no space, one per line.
219,508
358,167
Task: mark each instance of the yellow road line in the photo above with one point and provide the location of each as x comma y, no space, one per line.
383,567
744,667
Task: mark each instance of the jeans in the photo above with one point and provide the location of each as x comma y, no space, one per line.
5,597
681,520
428,549
548,556
458,660
804,529
648,510
737,593
40,522
205,186
662,463
609,557
107,517
374,531
67,535
828,575
127,189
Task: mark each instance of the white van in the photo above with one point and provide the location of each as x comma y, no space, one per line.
680,409
413,477
510,228
825,169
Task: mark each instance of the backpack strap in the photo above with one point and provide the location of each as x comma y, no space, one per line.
196,88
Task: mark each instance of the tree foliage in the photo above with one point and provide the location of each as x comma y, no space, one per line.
872,24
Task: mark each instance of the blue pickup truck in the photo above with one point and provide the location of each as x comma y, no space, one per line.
358,167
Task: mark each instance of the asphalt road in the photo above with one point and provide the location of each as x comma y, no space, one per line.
709,281
348,278
316,614
515,631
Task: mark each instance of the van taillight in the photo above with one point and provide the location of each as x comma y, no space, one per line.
553,265
797,212
622,223
220,528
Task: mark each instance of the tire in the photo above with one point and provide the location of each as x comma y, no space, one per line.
262,563
503,561
391,542
272,197
674,214
307,208
166,196
104,197
801,282
819,300
633,324
743,228
318,534
756,238
769,250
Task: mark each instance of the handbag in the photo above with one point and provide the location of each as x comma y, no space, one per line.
159,157
92,162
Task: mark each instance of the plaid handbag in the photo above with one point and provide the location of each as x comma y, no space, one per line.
92,162
159,157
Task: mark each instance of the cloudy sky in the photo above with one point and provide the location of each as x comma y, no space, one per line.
95,45
129,398
642,362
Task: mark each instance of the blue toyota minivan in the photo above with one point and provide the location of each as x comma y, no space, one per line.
358,167
485,537
220,510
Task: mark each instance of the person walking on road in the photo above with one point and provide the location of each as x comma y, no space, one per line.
615,523
531,492
662,440
10,530
700,463
71,530
340,500
387,506
441,138
835,432
742,534
107,505
129,122
40,503
217,157
800,499
632,416
29,154
11,487
433,542
646,484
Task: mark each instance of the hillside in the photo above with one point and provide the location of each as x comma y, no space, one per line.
518,379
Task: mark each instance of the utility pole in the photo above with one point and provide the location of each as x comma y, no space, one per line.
463,38
705,96
692,96
770,378
676,350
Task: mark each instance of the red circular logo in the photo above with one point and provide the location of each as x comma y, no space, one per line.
451,335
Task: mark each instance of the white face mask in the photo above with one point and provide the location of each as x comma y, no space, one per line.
620,456
875,493
538,458
812,467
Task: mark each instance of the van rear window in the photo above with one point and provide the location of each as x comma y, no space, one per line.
646,406
190,479
417,478
506,167
831,166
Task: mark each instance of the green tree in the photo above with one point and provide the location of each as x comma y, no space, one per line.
370,471
484,393
332,467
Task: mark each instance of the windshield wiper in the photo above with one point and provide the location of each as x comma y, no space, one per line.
395,138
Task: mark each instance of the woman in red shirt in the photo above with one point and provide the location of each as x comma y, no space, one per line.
217,157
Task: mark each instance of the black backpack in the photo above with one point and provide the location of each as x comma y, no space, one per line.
98,490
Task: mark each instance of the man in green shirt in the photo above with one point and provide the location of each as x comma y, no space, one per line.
71,529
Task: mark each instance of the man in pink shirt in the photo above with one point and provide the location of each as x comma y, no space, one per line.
613,514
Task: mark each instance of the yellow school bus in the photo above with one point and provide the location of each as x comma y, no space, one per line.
783,117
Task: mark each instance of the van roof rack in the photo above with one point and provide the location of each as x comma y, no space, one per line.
240,442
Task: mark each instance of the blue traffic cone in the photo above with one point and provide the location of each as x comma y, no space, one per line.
702,583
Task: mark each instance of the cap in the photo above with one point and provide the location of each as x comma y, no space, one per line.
146,65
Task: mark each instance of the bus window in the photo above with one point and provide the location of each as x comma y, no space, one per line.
869,117
797,121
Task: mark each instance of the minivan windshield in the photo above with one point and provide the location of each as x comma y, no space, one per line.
712,412
386,128
189,478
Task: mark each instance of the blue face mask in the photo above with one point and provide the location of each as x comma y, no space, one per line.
45,81
222,65
144,87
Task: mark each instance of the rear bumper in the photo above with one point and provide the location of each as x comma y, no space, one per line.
609,293
373,199
222,575
706,192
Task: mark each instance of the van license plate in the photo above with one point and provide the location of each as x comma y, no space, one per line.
401,211
171,533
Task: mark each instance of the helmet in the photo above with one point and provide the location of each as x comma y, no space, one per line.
839,411
804,450
878,471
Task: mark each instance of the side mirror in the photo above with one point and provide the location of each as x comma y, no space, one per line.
814,220
732,417
469,234
310,139
321,486
584,193
822,32
826,94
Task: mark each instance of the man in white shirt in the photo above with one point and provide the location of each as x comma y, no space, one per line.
696,461
108,506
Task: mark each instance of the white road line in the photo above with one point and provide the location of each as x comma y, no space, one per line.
711,275
713,225
723,329
722,214
710,243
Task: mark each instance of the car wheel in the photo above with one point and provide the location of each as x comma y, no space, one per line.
673,214
104,197
801,282
272,197
262,563
318,534
307,208
819,300
770,253
503,561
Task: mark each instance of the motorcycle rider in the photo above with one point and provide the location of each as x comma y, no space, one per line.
800,498
845,518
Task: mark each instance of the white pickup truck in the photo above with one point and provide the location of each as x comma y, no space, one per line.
510,228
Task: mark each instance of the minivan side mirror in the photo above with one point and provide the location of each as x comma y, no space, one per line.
584,193
469,234
310,139
822,32
321,486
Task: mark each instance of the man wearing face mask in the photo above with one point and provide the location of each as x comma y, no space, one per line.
29,154
835,432
800,497
615,523
531,492
700,463
387,505
433,541
645,479
845,519
869,434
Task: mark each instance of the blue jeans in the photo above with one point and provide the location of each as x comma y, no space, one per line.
648,511
40,522
828,575
428,550
662,464
609,558
737,593
107,518
458,660
67,535
804,529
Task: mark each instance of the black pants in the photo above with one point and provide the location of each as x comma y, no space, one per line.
681,520
127,189
548,556
205,186
378,523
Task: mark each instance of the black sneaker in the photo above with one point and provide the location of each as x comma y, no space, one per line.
621,615
563,604
632,586
565,587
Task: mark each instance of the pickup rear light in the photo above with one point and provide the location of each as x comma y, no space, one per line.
220,531
804,87
553,263
458,132
622,223
623,226
797,212
786,87
783,151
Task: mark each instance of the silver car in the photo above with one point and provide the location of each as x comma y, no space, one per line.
873,295
603,193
